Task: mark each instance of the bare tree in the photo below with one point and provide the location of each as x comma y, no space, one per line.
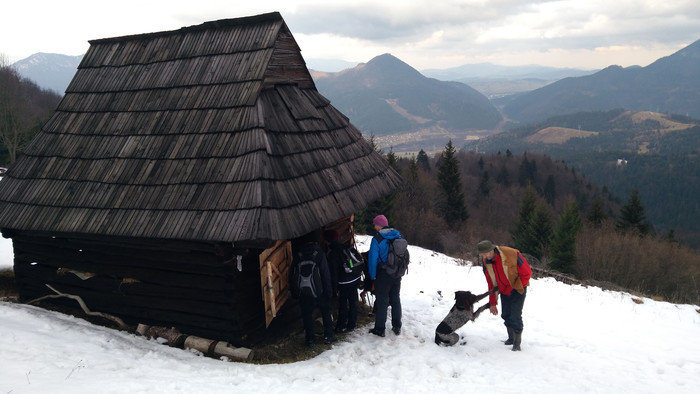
23,107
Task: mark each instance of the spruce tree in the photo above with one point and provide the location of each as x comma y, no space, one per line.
423,161
540,229
503,177
526,171
519,234
632,216
451,205
597,215
563,249
550,193
484,187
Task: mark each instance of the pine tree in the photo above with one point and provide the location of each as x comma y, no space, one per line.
391,158
527,206
540,230
451,205
526,171
503,177
423,161
563,249
550,193
632,216
597,215
411,184
484,188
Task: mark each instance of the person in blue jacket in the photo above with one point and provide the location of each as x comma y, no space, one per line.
386,289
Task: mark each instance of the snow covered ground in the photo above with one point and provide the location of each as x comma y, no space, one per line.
576,340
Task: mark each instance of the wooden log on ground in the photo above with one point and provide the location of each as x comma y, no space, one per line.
208,347
232,352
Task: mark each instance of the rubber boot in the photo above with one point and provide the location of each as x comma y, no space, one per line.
517,337
509,341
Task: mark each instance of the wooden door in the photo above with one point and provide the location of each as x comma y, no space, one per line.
274,277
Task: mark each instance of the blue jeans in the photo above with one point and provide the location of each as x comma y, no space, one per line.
512,309
386,290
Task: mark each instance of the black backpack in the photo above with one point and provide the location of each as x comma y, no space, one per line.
398,258
306,276
352,260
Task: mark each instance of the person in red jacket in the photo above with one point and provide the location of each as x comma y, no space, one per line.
508,270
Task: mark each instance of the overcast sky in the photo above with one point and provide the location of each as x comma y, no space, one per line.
588,34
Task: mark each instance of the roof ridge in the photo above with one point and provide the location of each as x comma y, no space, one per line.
246,20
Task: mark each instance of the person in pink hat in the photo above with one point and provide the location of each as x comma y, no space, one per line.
386,288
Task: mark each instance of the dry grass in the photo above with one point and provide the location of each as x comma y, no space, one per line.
558,135
656,268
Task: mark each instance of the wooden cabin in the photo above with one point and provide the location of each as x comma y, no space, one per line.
176,170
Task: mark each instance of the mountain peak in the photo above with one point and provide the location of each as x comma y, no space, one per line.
390,66
49,70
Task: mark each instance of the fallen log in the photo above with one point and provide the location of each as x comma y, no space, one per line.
208,347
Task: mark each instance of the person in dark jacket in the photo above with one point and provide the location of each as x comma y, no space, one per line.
508,270
347,283
386,289
308,247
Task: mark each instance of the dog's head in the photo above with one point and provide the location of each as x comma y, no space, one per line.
464,300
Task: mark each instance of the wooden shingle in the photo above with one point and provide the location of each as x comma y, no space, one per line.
211,133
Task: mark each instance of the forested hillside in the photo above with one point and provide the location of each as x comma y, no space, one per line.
23,108
561,219
657,154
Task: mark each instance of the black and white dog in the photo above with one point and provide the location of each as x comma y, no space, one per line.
459,315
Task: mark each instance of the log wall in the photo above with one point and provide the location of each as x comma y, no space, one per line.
196,287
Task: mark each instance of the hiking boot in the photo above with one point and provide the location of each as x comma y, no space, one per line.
396,330
379,333
509,341
340,330
350,329
517,337
310,342
329,340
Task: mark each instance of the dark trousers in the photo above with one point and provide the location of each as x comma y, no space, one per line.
347,305
308,304
386,290
512,309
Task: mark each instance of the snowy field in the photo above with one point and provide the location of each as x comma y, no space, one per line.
576,340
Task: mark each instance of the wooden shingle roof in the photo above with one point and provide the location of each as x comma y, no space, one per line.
212,132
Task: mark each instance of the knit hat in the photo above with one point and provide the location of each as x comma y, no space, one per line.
484,246
381,221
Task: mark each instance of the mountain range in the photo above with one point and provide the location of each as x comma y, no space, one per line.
669,85
387,96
